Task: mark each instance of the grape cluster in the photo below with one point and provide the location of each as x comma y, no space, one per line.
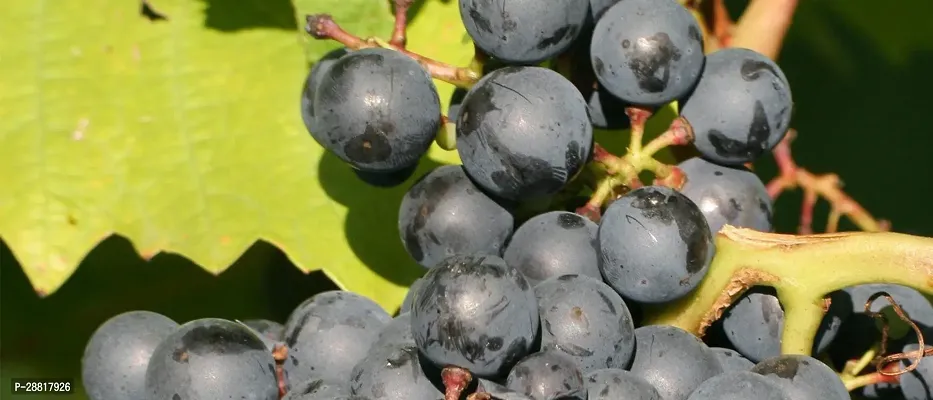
522,298
472,327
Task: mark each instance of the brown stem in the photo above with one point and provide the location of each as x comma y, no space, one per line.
280,354
806,212
399,38
884,364
323,26
792,176
479,396
456,380
678,134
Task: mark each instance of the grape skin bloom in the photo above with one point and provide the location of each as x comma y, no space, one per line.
727,195
586,320
673,360
311,83
445,214
740,109
647,52
329,333
212,358
803,377
655,245
553,244
475,312
377,110
523,31
523,133
116,356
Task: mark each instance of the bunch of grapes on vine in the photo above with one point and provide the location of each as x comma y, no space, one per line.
556,266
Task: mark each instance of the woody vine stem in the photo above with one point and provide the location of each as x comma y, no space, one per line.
803,268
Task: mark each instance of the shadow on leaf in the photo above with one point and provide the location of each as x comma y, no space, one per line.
227,16
372,218
45,337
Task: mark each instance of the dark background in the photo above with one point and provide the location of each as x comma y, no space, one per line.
861,74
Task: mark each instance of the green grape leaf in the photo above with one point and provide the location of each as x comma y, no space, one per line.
184,136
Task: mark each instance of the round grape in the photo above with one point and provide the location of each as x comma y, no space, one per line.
546,375
739,385
647,52
377,110
673,360
553,244
803,377
445,214
477,313
731,360
523,31
655,245
392,371
328,334
727,195
586,320
741,107
310,87
523,132
212,358
615,384
116,357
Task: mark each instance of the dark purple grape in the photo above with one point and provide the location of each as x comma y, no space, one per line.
116,357
647,52
477,313
328,334
741,107
212,358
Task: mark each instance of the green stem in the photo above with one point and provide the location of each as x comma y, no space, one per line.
802,317
855,382
854,368
603,191
803,269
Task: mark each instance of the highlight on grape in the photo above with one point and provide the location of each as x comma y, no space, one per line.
553,269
